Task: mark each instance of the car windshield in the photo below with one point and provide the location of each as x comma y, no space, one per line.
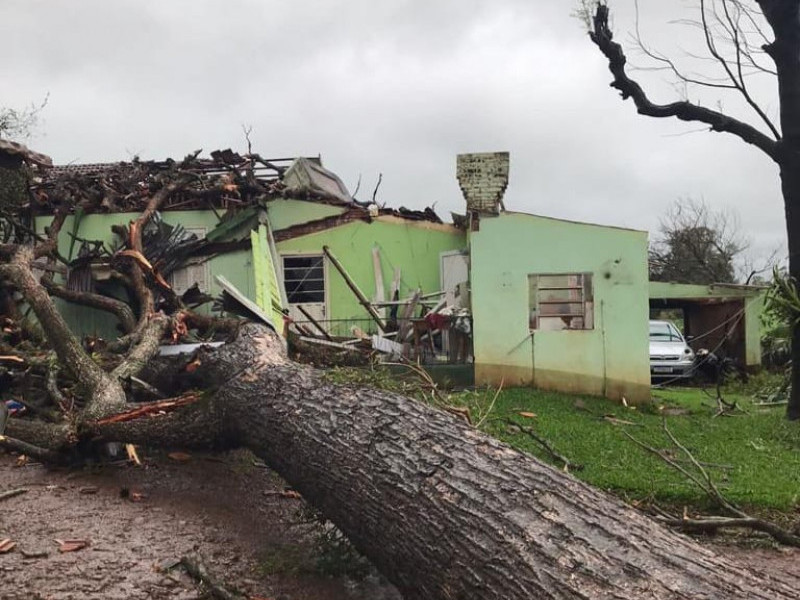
664,332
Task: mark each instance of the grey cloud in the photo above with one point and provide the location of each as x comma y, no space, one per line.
397,86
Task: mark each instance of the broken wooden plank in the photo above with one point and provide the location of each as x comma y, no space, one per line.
313,340
314,322
405,318
390,347
380,291
251,306
355,289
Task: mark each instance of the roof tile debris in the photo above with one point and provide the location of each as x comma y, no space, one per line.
37,158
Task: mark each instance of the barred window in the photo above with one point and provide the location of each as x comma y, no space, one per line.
560,301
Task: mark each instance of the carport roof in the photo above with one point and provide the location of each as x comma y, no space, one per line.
665,290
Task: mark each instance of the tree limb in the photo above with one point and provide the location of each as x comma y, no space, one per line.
118,308
602,36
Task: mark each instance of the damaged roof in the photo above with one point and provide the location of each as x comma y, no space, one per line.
15,148
225,180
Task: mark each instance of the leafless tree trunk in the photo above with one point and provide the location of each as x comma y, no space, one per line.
727,27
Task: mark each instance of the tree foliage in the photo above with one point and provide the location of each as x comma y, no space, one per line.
696,245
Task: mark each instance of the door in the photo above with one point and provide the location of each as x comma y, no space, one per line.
454,271
304,281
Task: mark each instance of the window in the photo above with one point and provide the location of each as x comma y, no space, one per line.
662,331
195,270
562,301
304,279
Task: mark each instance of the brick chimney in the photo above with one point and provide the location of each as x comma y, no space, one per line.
483,178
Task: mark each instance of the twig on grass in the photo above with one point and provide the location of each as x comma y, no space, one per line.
482,420
568,464
705,483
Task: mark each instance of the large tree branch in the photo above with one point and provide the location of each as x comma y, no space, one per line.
58,333
118,308
146,347
602,36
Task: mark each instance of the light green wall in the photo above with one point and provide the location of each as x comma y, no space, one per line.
414,246
285,213
235,266
611,359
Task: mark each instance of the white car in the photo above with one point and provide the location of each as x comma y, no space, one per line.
670,355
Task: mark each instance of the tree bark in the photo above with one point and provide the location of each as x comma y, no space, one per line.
442,510
790,185
783,17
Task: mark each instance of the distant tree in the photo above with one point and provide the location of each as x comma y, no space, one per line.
20,123
696,245
741,39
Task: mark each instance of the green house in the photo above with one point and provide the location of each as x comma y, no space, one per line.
552,303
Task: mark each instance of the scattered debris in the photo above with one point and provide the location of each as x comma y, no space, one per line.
6,546
133,456
88,490
697,474
285,494
180,456
160,407
567,464
31,554
71,545
615,421
199,573
12,494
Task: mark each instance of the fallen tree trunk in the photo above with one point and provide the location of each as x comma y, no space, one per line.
447,512
442,510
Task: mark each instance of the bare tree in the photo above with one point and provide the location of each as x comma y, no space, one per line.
741,39
697,244
20,123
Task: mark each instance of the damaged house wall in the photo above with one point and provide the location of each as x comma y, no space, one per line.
412,246
236,265
611,357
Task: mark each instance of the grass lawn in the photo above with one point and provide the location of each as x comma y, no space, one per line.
760,449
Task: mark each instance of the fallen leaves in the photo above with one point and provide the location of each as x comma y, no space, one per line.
291,494
71,545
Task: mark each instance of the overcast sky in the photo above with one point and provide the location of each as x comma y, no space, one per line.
397,87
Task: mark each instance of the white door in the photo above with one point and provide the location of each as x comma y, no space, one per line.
454,271
304,281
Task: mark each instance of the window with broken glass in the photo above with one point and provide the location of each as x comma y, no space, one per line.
560,301
304,279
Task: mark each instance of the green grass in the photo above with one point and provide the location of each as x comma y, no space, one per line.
762,449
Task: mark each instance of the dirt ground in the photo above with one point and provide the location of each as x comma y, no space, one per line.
226,509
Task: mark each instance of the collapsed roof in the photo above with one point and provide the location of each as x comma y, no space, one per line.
225,180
